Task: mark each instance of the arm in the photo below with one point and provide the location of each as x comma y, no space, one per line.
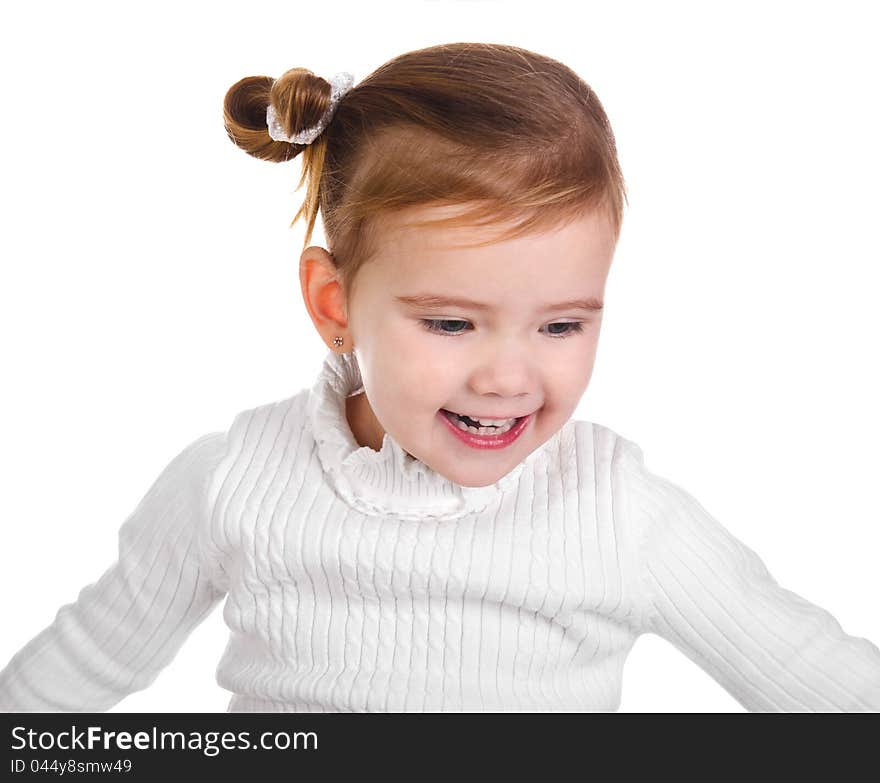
711,596
121,631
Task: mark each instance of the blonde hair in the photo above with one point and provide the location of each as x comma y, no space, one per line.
516,137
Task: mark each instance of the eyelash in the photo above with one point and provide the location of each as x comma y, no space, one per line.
433,325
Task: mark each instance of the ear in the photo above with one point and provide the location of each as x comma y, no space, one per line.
324,295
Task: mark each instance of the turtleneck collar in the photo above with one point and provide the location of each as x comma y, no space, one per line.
388,482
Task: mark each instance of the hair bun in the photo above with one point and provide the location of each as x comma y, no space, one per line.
299,98
340,84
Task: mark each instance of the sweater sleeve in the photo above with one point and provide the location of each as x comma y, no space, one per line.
123,629
712,597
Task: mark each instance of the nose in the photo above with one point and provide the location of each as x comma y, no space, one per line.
504,371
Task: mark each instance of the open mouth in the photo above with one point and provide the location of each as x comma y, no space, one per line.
481,426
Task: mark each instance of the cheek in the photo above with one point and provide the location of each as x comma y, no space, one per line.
407,382
585,357
421,362
565,385
570,369
407,340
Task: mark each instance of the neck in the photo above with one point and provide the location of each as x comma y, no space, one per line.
363,423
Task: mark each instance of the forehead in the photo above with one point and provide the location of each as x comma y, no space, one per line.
577,252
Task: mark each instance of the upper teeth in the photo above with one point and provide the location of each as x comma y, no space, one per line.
490,422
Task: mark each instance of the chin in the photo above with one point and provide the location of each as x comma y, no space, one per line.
473,484
471,481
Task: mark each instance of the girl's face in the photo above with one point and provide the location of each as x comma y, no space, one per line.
524,346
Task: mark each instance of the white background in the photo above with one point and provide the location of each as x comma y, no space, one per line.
150,288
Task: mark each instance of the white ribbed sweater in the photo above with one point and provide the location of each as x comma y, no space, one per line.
358,580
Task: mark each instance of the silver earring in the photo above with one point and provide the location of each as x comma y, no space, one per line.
337,341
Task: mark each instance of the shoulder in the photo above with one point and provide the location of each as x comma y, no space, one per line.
257,437
253,427
189,469
600,449
611,473
648,503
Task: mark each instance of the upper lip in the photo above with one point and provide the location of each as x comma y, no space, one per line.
489,416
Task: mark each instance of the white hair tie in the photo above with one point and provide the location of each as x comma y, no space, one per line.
340,84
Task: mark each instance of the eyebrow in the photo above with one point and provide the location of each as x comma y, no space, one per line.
432,301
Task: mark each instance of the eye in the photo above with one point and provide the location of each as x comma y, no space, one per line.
437,325
572,327
440,326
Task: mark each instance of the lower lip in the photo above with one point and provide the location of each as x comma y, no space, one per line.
488,441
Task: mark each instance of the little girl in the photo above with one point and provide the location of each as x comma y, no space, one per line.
426,528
